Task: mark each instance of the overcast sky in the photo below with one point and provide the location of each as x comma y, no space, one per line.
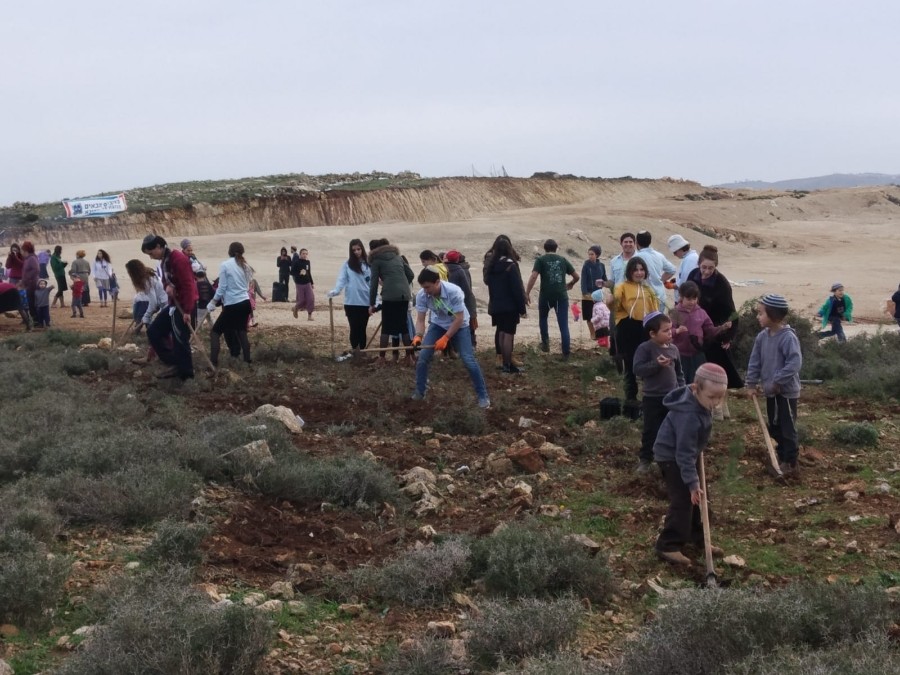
100,96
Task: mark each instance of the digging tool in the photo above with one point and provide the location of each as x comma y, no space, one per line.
375,350
115,302
712,580
195,338
773,458
377,328
331,321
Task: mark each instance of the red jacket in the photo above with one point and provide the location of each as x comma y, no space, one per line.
178,274
14,265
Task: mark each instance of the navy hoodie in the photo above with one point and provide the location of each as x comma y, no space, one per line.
683,434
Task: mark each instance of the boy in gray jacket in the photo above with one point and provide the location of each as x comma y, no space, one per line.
682,437
775,368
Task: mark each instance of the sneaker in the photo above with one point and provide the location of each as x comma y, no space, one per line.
545,346
484,403
674,558
644,467
417,396
512,370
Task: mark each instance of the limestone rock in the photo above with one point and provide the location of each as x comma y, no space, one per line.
5,668
7,630
415,490
525,457
255,454
534,439
526,423
521,494
351,609
589,544
552,452
433,444
253,599
427,505
418,474
498,465
283,414
271,606
441,629
282,589
735,561
105,344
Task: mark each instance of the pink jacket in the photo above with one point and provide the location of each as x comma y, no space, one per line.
600,316
700,329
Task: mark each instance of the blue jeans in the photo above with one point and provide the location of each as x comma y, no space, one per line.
462,343
562,318
836,329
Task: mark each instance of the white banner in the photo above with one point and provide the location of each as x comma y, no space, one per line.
95,206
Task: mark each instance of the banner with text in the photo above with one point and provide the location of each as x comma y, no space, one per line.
95,206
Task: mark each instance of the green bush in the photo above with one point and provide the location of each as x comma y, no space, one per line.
749,328
874,655
159,624
856,434
460,420
31,580
564,663
520,561
708,631
419,577
30,513
527,627
176,543
428,656
348,481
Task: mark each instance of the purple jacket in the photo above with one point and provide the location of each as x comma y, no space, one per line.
31,272
700,329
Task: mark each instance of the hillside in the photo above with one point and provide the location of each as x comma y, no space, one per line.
834,180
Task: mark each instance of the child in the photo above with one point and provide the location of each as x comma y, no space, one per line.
682,437
42,303
693,328
657,363
775,367
600,317
837,307
77,291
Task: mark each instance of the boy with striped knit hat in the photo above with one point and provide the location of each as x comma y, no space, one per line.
774,368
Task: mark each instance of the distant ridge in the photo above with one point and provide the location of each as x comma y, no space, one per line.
834,180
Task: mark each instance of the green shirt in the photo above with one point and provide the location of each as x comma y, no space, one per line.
553,269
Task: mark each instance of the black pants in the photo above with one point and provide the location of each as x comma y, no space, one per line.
782,414
179,354
232,323
683,524
358,318
654,412
629,335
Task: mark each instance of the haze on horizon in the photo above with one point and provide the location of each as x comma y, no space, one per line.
102,96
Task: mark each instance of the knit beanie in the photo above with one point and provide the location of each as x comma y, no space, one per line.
650,316
774,300
711,372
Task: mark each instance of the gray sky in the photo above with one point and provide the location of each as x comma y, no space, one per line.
101,96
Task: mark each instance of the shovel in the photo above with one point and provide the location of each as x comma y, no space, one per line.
773,458
712,580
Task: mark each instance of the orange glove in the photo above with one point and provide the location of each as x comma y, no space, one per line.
417,341
670,284
442,343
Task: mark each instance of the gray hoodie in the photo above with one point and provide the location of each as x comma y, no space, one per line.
683,434
776,359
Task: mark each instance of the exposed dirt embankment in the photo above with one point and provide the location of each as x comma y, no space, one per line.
447,200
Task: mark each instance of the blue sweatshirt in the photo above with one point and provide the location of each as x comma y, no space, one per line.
355,283
684,434
776,359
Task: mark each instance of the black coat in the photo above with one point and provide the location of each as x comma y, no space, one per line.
505,288
718,302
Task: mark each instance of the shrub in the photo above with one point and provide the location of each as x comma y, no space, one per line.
856,434
427,657
135,495
176,543
564,663
460,420
523,561
159,624
283,351
872,656
348,481
31,580
706,631
527,627
30,513
419,577
748,329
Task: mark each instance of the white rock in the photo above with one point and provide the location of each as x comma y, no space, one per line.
415,490
552,452
851,495
427,532
735,561
105,344
5,668
592,546
441,629
133,565
282,589
526,423
286,416
427,505
418,473
253,599
85,630
271,606
256,454
852,547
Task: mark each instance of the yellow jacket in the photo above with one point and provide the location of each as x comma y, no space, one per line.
634,301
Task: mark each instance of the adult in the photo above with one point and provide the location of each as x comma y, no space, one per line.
58,265
552,269
31,274
392,270
659,269
353,279
188,249
634,299
233,293
14,264
449,326
103,274
485,272
178,280
81,269
689,258
895,298
11,301
301,271
507,299
593,276
459,275
618,263
283,263
717,300
43,257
